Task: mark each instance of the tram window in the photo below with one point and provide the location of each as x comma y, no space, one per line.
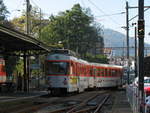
77,69
84,71
95,74
3,69
91,72
102,72
110,72
113,72
99,72
57,68
117,73
73,68
107,72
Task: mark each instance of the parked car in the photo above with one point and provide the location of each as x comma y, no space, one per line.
146,84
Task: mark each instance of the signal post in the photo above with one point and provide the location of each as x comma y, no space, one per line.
141,54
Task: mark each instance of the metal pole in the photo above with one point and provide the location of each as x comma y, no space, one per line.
135,52
28,8
141,52
27,17
40,23
25,71
127,36
38,62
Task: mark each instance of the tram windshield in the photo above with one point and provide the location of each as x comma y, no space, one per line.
57,68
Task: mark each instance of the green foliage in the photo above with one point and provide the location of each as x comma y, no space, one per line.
97,58
76,30
19,23
3,11
19,68
36,22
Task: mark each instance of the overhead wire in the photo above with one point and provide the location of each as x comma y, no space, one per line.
111,14
103,12
19,4
138,15
35,4
44,14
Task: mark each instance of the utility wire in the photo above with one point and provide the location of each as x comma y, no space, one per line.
97,7
20,3
138,15
35,4
44,14
103,12
111,14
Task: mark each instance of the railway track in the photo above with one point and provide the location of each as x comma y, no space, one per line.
90,105
81,103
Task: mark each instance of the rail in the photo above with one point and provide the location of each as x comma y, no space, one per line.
92,104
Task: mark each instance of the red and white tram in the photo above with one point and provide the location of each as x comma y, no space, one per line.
2,71
66,73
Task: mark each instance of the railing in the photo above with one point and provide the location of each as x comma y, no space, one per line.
134,99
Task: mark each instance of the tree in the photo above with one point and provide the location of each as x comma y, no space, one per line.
19,23
36,22
75,29
18,73
3,12
97,58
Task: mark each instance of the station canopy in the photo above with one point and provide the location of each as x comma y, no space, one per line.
12,40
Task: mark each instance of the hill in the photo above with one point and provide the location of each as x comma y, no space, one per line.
116,39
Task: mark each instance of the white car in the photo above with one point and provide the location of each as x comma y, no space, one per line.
146,81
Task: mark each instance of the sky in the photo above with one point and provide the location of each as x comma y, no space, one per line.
109,13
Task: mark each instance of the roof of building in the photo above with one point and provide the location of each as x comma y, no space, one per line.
12,40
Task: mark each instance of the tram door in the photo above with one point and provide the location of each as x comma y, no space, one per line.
94,76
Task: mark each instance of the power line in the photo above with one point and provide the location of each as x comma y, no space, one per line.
44,14
35,4
103,12
138,15
97,7
19,4
111,14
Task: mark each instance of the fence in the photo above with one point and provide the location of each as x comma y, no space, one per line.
134,99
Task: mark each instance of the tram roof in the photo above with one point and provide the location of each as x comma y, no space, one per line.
63,51
107,65
12,40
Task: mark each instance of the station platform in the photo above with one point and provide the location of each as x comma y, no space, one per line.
22,94
121,104
6,97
